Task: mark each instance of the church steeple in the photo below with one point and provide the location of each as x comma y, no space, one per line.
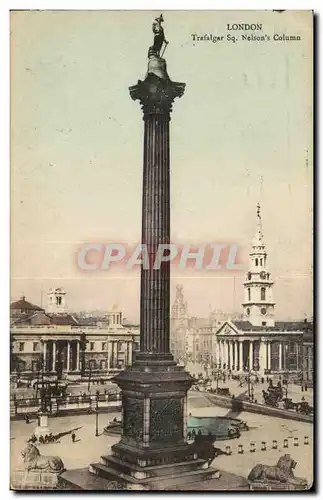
258,305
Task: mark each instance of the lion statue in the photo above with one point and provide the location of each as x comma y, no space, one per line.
34,461
280,473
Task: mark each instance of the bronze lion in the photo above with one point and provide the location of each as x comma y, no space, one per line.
34,461
280,473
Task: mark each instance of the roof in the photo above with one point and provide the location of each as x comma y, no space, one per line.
53,319
279,326
25,305
63,319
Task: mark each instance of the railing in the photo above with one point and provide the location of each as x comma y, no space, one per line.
83,403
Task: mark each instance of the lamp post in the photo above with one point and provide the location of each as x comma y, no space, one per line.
90,374
97,416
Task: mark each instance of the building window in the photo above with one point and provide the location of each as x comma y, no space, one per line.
35,346
263,294
264,323
34,366
261,262
248,311
249,294
256,262
249,276
21,346
104,346
91,346
103,364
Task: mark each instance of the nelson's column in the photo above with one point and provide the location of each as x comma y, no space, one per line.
153,452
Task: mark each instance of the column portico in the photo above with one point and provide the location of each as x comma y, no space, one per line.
230,354
262,356
77,355
54,356
280,356
269,355
250,355
241,367
109,354
236,364
68,356
44,355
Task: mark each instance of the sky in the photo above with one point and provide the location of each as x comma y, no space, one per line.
242,133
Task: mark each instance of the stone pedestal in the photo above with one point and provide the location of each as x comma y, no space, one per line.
43,428
24,480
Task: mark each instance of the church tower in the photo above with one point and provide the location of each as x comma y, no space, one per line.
179,316
258,304
56,301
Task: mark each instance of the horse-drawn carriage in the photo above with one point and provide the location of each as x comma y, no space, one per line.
223,391
271,398
305,408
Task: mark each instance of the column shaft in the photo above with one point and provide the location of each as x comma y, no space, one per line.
250,355
269,356
155,283
77,355
241,367
262,356
54,356
44,356
230,354
236,364
109,353
68,356
280,355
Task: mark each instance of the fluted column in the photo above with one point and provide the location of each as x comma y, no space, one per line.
250,355
269,355
156,95
44,356
262,356
280,355
218,359
77,355
130,353
68,356
236,364
155,283
241,367
230,354
54,356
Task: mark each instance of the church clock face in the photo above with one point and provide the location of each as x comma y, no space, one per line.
262,275
263,310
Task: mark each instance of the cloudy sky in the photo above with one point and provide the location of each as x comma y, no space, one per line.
241,133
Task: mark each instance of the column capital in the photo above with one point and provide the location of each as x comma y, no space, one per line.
156,95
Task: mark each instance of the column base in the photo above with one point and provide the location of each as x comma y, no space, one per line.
153,452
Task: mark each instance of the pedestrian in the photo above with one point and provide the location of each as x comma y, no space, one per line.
73,437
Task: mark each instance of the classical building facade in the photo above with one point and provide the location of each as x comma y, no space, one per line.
59,345
258,342
308,354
